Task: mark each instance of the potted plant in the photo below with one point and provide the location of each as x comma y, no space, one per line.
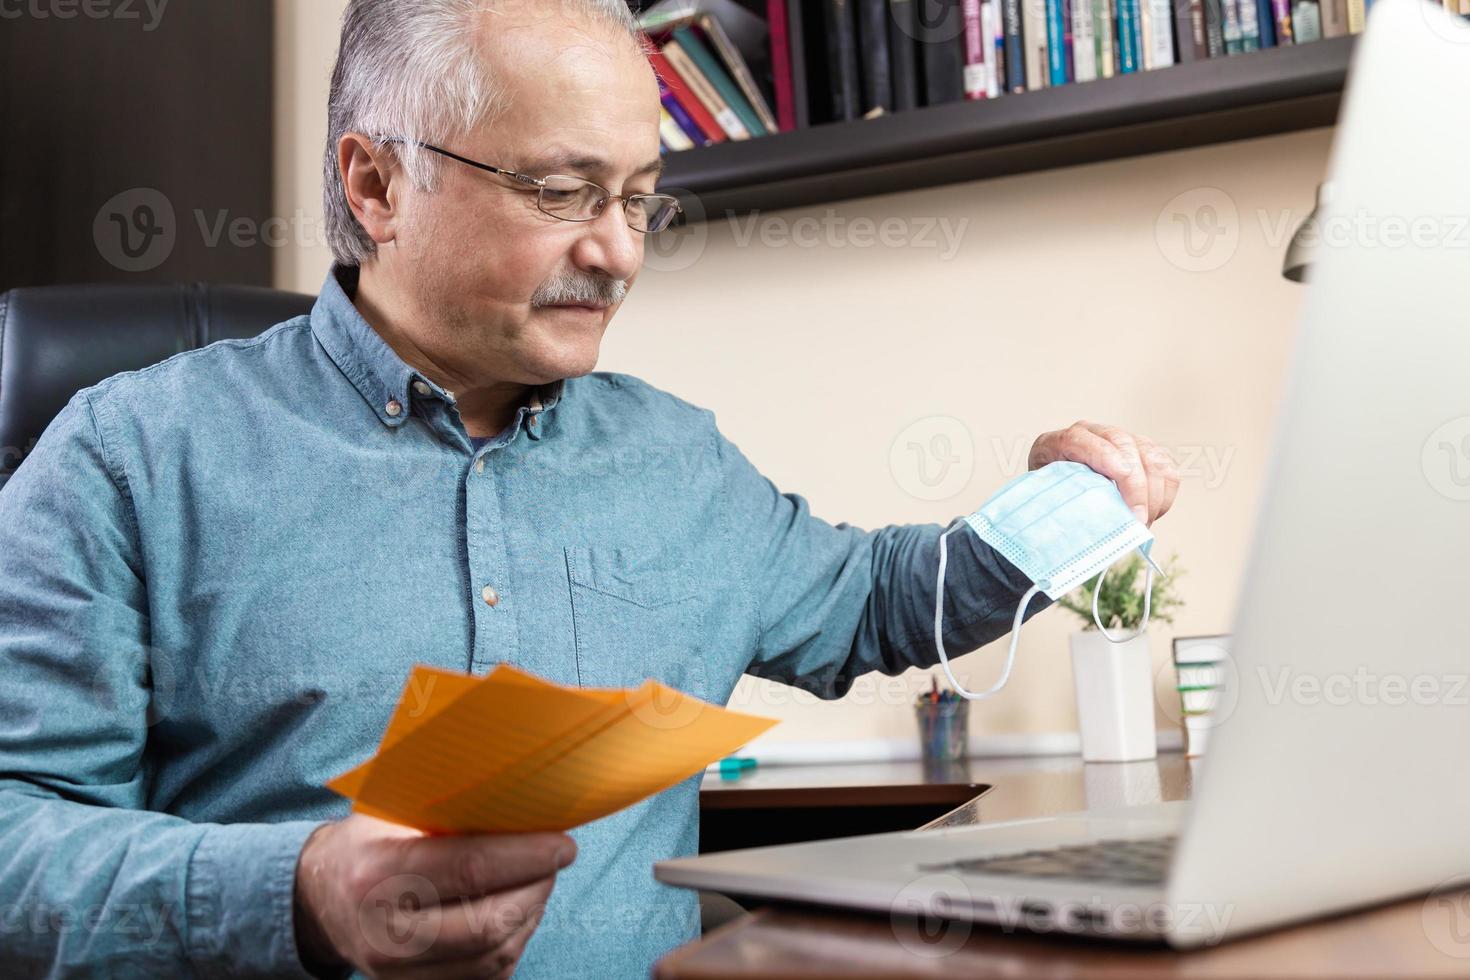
1114,681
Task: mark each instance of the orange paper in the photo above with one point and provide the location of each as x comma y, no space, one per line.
510,752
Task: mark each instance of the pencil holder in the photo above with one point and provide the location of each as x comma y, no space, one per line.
944,729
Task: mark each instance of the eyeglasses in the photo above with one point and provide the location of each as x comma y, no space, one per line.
575,198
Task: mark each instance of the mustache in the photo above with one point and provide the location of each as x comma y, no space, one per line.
580,289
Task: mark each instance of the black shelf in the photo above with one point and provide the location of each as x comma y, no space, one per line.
1276,90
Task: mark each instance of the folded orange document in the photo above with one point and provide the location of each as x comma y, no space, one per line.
510,752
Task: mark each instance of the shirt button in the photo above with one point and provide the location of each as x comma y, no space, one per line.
421,388
490,596
480,465
531,420
393,408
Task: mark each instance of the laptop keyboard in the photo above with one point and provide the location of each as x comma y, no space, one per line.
1135,862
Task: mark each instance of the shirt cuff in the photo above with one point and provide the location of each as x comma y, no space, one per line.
239,900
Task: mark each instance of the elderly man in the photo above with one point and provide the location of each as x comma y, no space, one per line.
215,573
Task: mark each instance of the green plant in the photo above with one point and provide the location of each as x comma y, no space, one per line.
1120,606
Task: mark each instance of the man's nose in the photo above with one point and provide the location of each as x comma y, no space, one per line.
610,246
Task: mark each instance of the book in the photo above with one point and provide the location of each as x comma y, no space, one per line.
1084,46
1015,56
778,17
708,66
681,116
1232,27
670,133
510,752
1058,27
877,75
1334,17
1160,25
976,45
942,50
739,71
1306,21
1189,28
1250,25
679,88
1215,28
1104,32
842,63
704,91
1130,40
1266,23
904,53
1281,18
796,45
1356,13
1033,33
995,63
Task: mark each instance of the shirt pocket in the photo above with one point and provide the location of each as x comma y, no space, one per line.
636,614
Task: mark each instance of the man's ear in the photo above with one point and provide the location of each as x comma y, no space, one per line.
367,176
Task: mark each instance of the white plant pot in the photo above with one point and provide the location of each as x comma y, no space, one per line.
1115,698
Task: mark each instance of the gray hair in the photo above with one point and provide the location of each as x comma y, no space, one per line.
413,68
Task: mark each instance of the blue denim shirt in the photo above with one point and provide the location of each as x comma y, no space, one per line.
215,574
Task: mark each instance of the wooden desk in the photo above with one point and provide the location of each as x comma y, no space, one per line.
1408,938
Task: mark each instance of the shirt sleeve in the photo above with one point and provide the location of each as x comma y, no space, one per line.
835,602
90,882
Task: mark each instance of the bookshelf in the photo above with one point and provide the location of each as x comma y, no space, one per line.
1259,93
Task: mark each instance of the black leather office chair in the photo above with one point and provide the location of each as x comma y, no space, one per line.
57,340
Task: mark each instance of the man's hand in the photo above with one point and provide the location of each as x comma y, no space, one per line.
1144,473
393,902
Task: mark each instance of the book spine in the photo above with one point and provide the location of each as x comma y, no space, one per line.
1266,23
669,132
1356,14
796,41
1250,25
1161,37
1010,25
994,64
877,71
1056,50
902,29
1033,31
681,117
1084,45
1129,37
671,79
1215,28
1232,27
943,49
1189,27
1334,17
776,17
1306,21
975,45
705,92
1281,14
708,65
740,72
842,54
1104,31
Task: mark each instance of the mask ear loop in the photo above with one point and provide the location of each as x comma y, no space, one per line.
1148,591
939,630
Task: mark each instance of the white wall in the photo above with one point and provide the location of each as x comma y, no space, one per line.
1070,295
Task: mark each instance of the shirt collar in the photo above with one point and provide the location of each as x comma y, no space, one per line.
386,382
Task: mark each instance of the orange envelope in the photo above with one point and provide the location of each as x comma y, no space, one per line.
510,752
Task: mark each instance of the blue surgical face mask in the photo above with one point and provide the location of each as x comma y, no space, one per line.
1060,525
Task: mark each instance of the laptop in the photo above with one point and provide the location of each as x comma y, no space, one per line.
1337,773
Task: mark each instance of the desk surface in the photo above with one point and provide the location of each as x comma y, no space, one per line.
1410,938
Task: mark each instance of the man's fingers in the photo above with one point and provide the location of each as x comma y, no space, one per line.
471,865
1163,478
1134,484
474,929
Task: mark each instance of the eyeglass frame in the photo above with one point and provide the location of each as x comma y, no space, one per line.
539,184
